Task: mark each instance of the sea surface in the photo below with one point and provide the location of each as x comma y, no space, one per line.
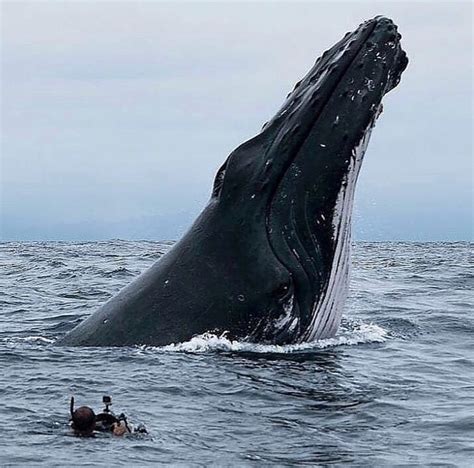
395,387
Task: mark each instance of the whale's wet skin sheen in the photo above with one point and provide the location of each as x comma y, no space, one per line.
267,261
392,388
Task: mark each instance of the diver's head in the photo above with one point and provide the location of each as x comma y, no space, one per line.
83,419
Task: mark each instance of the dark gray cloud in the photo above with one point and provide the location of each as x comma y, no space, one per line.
115,116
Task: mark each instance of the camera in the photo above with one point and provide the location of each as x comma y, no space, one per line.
107,401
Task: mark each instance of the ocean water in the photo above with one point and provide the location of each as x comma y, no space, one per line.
395,387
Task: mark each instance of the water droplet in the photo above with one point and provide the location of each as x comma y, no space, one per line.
241,297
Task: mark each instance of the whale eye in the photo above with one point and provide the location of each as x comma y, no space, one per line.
282,291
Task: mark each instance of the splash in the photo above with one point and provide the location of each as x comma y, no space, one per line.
350,334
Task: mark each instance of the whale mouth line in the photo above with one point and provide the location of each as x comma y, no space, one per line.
324,317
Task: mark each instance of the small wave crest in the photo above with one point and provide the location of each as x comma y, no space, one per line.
34,339
349,335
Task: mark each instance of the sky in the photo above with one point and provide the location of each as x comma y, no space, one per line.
116,116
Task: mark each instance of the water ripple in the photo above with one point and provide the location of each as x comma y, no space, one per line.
393,388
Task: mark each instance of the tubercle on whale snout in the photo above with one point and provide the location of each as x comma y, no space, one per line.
372,33
304,104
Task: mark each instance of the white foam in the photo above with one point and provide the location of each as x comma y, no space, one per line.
287,315
349,335
27,339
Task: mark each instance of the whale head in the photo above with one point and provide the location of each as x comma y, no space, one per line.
295,183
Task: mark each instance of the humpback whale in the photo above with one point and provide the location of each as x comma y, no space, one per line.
268,258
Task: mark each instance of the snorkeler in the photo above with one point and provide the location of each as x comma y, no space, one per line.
84,422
